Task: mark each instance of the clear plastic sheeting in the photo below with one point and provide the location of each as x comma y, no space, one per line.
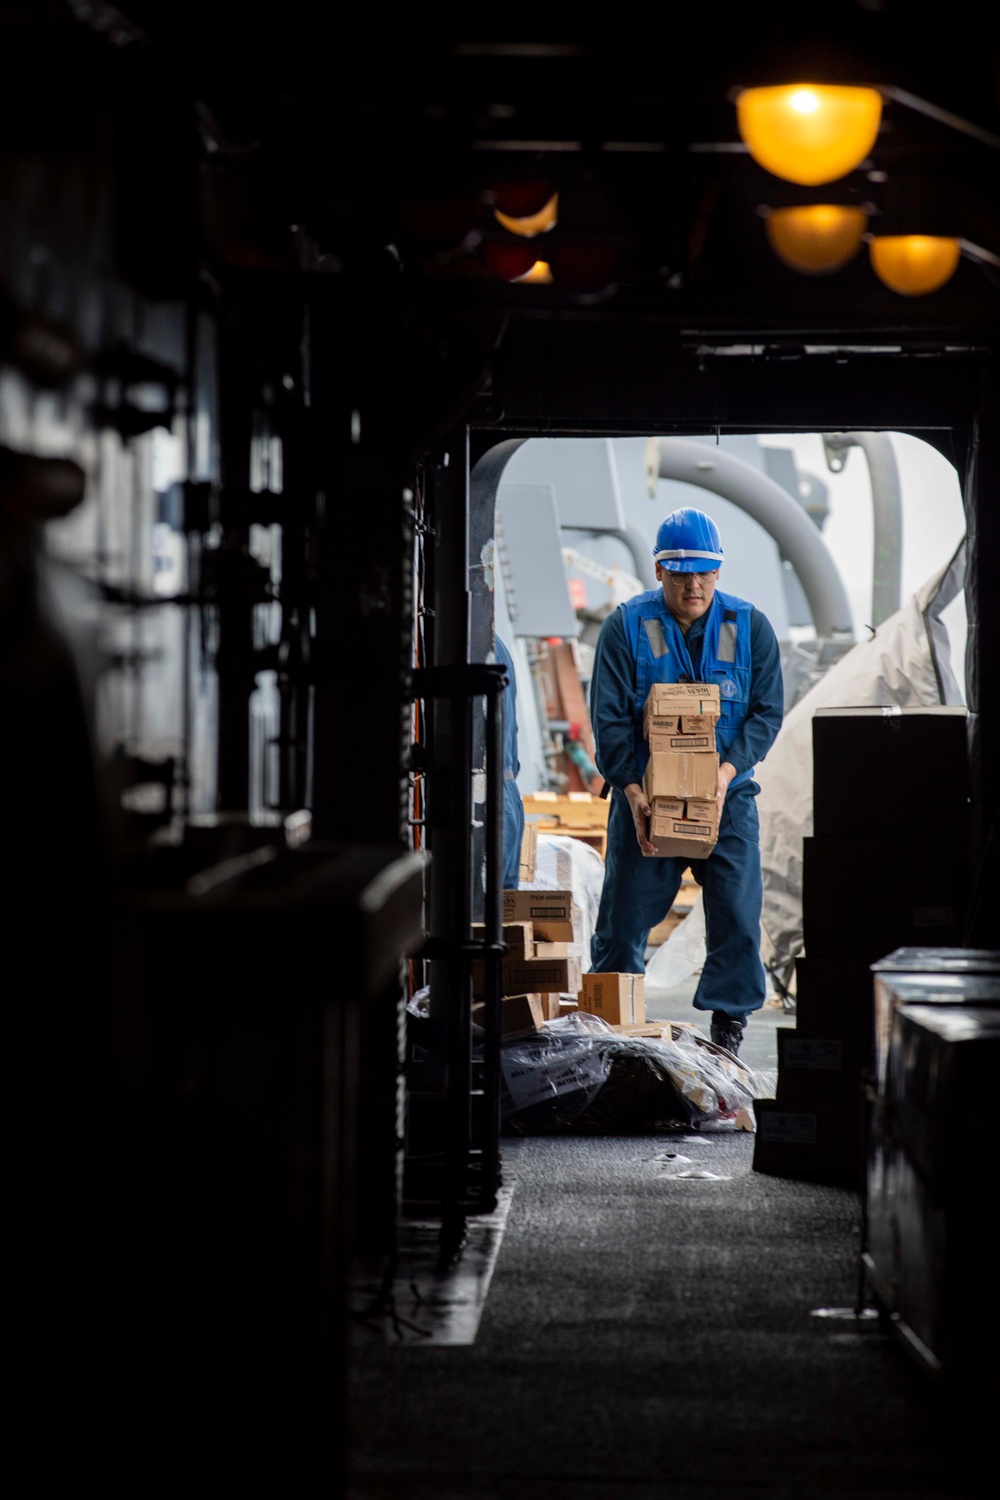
683,954
567,864
905,662
579,1074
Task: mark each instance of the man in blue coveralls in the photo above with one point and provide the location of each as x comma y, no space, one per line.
513,807
687,630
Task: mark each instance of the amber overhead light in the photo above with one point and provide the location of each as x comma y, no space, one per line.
816,237
914,264
540,274
509,260
532,224
809,133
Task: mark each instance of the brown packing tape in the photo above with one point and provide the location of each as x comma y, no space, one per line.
681,774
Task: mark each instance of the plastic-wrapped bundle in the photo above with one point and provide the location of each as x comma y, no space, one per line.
579,1074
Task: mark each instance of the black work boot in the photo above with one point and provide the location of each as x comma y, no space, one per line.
727,1031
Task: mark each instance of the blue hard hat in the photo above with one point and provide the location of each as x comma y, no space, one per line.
688,542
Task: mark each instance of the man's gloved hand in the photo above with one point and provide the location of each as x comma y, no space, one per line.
641,814
726,774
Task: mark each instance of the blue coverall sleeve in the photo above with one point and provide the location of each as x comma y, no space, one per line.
513,807
612,705
510,760
767,697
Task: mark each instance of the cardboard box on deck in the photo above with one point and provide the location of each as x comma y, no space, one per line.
814,1141
835,994
943,989
818,1067
832,994
890,771
561,976
862,897
520,1015
682,774
555,917
619,999
667,702
519,937
544,975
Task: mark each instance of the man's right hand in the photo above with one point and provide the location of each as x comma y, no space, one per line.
641,814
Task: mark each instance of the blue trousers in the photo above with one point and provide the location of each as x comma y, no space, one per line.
640,890
513,828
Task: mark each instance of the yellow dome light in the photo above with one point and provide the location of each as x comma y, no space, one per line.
539,275
816,237
914,264
539,223
809,132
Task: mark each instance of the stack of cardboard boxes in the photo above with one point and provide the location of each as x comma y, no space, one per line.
937,1052
682,774
543,933
680,783
882,870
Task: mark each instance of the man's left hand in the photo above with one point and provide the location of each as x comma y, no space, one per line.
726,774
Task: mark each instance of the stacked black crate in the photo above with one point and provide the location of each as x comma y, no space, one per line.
929,1151
883,869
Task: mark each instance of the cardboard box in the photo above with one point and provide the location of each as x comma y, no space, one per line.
862,897
882,769
619,999
681,773
944,989
556,919
667,702
519,937
832,994
520,1015
529,854
559,975
702,809
555,950
662,744
943,1065
814,1142
822,1067
685,837
925,1258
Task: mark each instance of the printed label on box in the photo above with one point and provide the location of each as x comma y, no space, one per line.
804,1052
532,1082
933,916
792,1130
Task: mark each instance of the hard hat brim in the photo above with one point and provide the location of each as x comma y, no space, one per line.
688,561
690,565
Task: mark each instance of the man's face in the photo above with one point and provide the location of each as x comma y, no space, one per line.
687,595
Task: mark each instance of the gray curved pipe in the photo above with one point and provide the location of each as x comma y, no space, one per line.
637,543
887,514
780,515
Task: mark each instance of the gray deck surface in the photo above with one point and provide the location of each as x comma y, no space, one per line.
651,1335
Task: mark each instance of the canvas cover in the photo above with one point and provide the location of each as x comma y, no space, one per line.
906,661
